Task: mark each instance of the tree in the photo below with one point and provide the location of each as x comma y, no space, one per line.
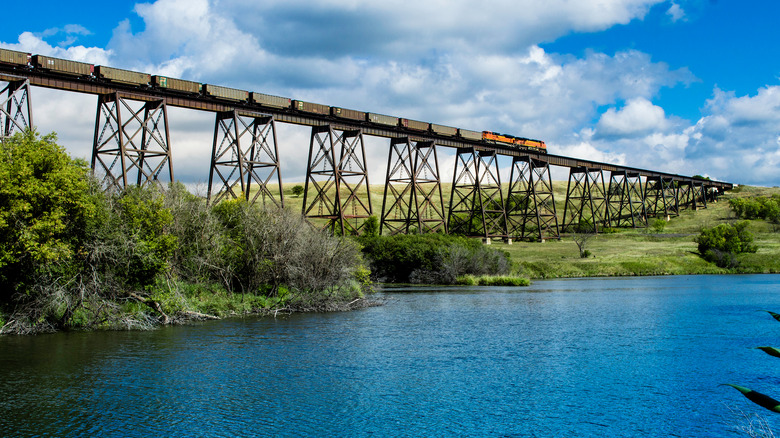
46,206
720,244
297,190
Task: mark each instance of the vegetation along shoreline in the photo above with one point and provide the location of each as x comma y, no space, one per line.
74,256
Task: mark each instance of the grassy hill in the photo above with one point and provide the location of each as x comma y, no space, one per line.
639,251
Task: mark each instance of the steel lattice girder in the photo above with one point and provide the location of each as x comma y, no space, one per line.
664,191
625,202
699,195
122,155
245,154
428,210
412,192
353,176
476,203
530,203
587,195
692,194
348,174
15,108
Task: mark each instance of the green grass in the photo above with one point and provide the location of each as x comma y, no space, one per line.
493,280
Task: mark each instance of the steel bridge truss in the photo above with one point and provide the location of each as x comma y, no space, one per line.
692,194
661,197
15,108
585,208
245,156
530,210
625,200
414,189
340,188
477,203
131,143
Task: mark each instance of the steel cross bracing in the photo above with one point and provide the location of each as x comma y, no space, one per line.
477,203
132,144
90,85
691,195
245,157
15,108
413,188
585,208
530,202
341,187
661,197
625,202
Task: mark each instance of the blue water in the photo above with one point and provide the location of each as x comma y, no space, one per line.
584,357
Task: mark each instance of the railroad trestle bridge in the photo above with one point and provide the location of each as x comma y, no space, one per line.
132,146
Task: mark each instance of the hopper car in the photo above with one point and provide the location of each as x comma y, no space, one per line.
178,85
122,76
64,66
14,57
129,77
271,101
226,93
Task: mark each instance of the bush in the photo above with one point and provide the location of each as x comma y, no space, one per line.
720,244
46,209
72,255
767,208
659,225
430,258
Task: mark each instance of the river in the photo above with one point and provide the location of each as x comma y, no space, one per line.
572,358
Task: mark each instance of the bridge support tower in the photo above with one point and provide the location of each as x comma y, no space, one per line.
413,188
585,209
245,156
340,188
15,107
661,197
625,200
132,141
530,207
476,202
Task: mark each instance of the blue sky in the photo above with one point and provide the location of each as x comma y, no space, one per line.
683,86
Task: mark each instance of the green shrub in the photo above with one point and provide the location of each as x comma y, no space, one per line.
721,243
46,209
430,258
659,225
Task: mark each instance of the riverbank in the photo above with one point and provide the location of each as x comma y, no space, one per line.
645,251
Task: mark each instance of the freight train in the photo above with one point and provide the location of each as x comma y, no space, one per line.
196,89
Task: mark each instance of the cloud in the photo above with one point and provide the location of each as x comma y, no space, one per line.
638,117
742,133
423,60
29,42
675,12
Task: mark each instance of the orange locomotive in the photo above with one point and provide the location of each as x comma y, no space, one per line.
495,137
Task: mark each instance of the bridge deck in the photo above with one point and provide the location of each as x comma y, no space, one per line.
95,86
